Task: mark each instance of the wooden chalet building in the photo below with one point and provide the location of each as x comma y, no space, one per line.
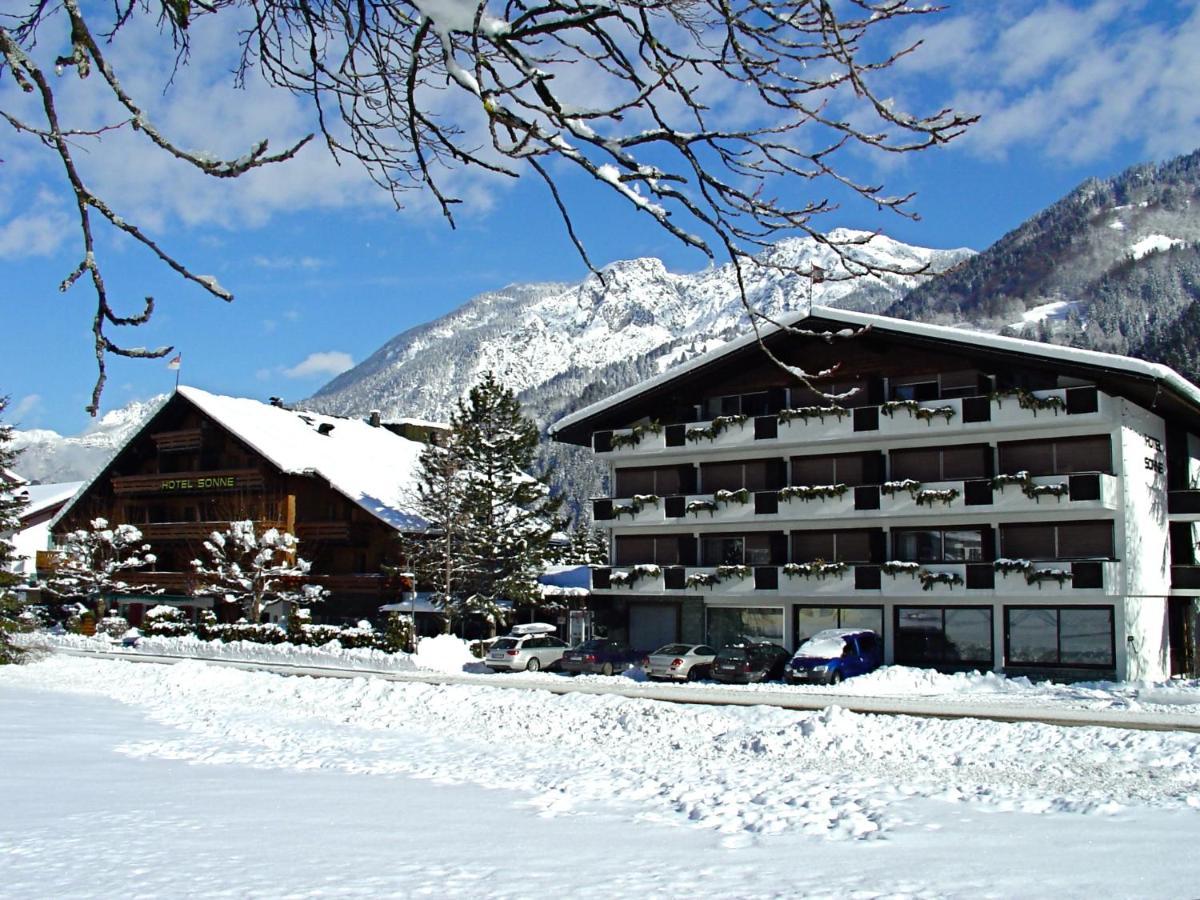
979,501
341,485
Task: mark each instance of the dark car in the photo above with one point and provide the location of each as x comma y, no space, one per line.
745,663
599,656
832,655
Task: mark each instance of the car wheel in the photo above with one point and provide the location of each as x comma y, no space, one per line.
533,665
693,673
606,669
835,678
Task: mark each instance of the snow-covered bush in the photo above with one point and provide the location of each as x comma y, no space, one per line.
399,636
113,626
166,621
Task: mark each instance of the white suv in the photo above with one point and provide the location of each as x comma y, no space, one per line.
528,648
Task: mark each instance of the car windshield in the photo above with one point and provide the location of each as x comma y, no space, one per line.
504,644
823,646
673,650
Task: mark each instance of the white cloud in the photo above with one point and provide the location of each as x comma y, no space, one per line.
24,407
328,363
288,263
33,234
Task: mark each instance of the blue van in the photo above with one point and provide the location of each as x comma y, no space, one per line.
832,655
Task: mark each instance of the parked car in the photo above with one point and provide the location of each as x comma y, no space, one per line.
680,662
832,655
744,663
527,648
600,656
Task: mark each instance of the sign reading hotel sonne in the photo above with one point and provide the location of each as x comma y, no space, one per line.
209,483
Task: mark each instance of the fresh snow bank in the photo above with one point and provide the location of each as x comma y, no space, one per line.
740,772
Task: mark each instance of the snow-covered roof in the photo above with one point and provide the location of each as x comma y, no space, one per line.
886,324
373,467
41,497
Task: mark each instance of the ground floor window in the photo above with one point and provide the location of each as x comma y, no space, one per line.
811,619
728,625
1059,636
952,636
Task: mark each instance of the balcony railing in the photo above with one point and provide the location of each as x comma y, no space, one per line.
329,532
177,441
1004,410
1185,578
189,482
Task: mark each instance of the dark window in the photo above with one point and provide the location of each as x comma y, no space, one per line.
1064,540
942,464
843,468
939,545
859,545
914,387
1057,457
662,550
740,549
754,475
811,619
1079,636
944,636
662,480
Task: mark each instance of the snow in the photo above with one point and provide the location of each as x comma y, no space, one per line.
1056,310
371,466
1154,243
443,653
260,785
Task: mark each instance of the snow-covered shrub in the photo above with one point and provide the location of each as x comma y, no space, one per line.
166,621
399,635
113,626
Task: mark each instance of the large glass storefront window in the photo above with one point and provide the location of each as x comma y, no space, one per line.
1059,636
728,625
952,637
811,619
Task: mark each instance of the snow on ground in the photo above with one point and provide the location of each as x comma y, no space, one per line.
1154,243
449,655
1055,311
251,784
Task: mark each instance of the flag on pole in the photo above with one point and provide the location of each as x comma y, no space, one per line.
176,362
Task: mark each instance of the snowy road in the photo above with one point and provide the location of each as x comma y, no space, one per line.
191,780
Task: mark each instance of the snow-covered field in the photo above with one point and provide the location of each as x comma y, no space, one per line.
190,779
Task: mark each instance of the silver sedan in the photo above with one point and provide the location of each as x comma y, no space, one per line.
528,653
680,662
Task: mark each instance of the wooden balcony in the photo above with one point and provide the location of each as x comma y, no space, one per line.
171,582
178,441
194,531
222,480
327,532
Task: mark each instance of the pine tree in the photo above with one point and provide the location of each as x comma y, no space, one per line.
253,569
510,514
12,502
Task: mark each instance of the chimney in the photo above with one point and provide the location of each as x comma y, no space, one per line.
276,401
374,418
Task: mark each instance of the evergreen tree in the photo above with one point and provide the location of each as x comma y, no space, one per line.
511,514
12,502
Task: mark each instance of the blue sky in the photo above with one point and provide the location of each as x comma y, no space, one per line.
324,270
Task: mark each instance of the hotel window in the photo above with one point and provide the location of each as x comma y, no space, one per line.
941,545
852,469
1057,457
942,463
761,549
858,545
1059,636
1066,540
662,550
753,475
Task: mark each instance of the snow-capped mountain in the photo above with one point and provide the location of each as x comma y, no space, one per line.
48,457
602,334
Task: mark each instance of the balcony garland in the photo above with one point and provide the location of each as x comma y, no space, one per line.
813,492
715,428
637,503
628,578
1033,491
925,413
1028,400
929,580
1037,576
701,579
740,496
804,413
931,496
634,437
695,507
741,572
817,568
888,488
896,567
1007,566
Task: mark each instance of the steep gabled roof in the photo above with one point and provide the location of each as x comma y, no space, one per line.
373,467
1145,381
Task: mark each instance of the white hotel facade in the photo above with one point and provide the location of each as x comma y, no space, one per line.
981,502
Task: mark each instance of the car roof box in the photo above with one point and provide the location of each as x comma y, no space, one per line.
533,628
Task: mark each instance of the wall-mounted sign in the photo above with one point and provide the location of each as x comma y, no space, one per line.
208,483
